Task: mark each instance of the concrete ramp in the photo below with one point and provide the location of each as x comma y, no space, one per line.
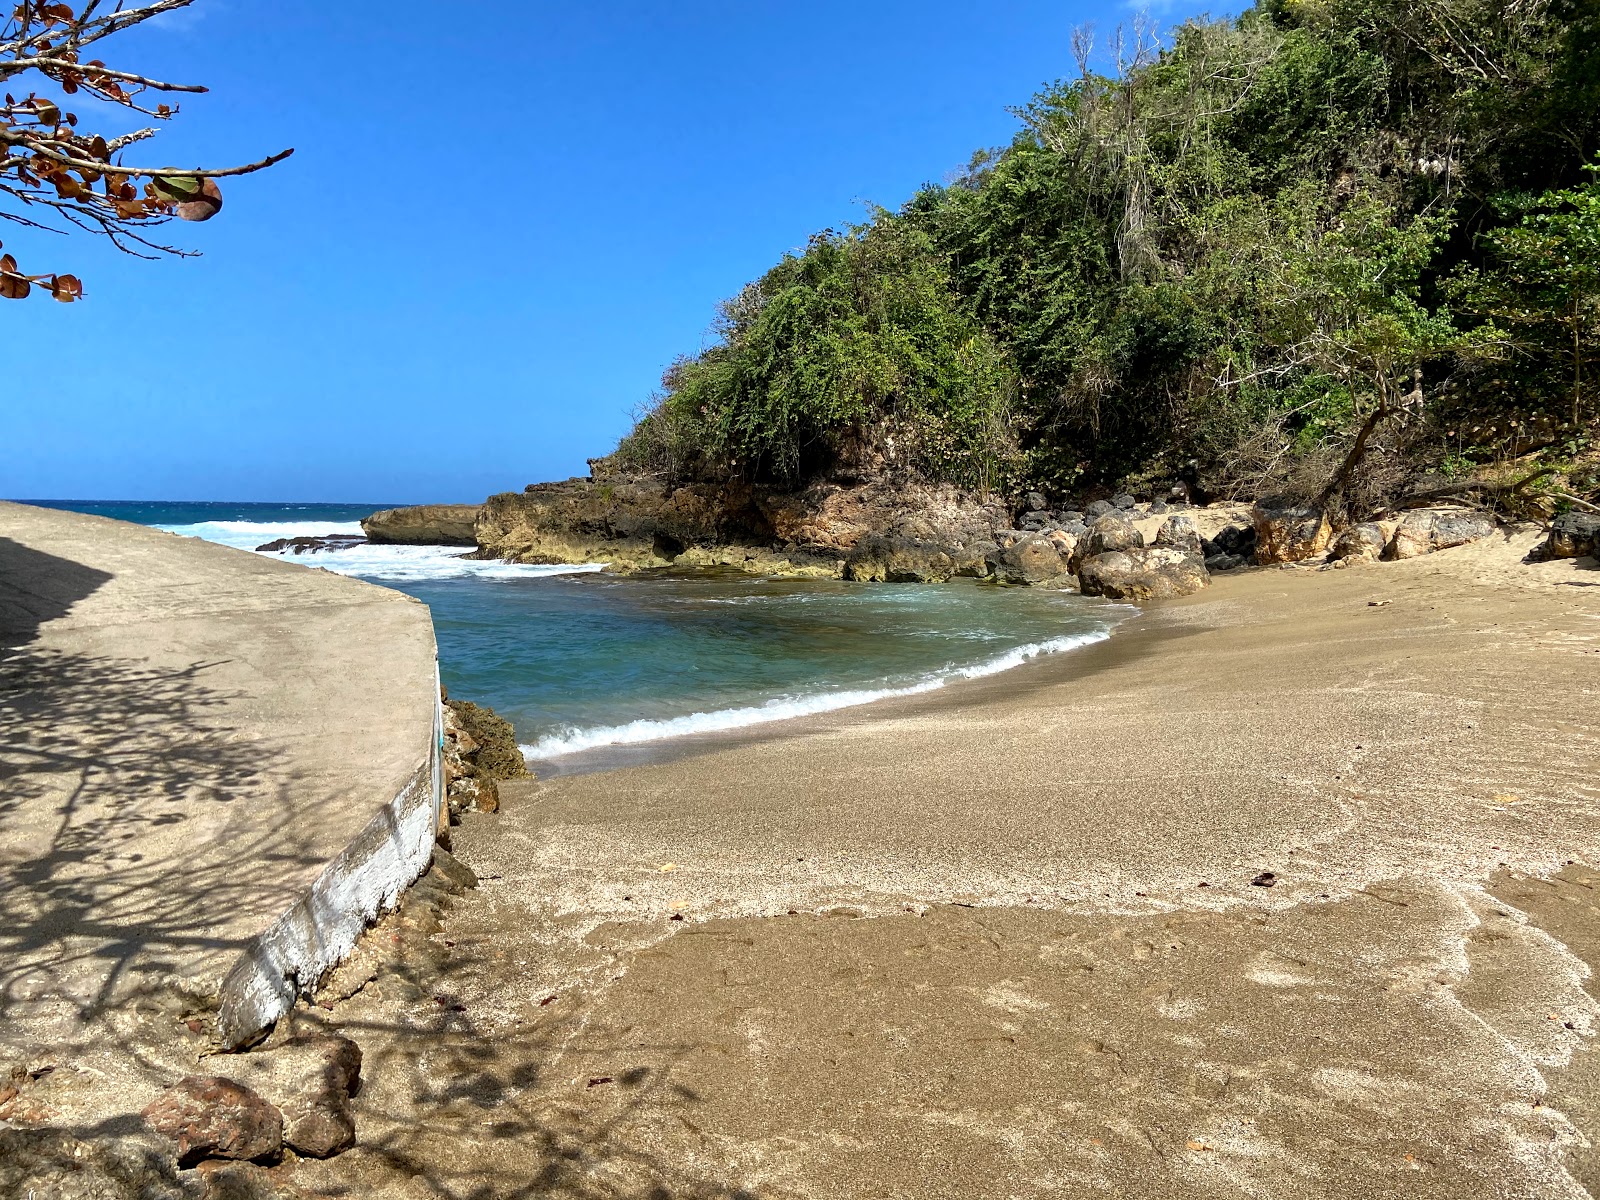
215,770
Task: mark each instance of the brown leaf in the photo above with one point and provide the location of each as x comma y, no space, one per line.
66,288
205,206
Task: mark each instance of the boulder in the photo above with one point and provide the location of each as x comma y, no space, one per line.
1124,502
1365,541
1179,533
1574,535
1068,516
1098,509
1142,573
1158,507
1034,502
1110,531
1225,562
1030,559
1426,530
424,525
209,1116
312,545
311,1078
1287,532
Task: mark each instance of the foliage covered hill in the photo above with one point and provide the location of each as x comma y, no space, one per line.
1330,245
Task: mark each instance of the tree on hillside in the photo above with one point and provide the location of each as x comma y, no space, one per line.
58,173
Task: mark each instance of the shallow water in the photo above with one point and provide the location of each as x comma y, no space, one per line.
577,659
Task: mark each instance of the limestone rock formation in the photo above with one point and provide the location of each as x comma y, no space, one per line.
1180,533
424,525
1032,558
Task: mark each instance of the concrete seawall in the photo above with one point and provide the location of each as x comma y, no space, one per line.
215,770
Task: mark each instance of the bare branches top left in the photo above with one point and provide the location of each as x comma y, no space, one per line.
58,172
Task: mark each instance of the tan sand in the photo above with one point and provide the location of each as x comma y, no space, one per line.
1002,941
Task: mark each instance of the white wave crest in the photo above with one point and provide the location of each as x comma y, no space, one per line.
571,740
392,564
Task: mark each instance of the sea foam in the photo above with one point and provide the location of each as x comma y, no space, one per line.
395,564
782,708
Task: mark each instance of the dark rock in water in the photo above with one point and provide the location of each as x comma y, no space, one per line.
1365,541
878,559
1289,532
1098,509
212,1117
1030,559
313,545
1224,562
1426,530
1180,533
1034,502
1574,535
1125,502
1142,573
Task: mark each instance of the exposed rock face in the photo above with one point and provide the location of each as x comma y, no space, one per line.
1142,573
1287,532
1574,535
882,530
1108,533
212,1117
424,525
1426,530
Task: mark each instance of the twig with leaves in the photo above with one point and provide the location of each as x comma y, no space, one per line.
53,171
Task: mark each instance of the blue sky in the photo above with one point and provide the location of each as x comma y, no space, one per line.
501,222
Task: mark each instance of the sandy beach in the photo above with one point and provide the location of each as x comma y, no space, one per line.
1286,890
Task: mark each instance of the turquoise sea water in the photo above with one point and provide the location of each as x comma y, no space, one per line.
577,659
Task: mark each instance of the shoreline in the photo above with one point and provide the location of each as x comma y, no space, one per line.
1226,905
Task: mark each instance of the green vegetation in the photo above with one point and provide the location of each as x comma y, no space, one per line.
1348,248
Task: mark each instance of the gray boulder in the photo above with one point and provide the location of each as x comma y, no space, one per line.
1225,562
1427,530
1142,573
1124,502
1098,509
1034,502
1180,533
1030,559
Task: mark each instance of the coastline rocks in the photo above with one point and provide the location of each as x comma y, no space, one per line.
1365,542
1574,535
1426,530
1179,533
1030,559
1287,532
424,525
1109,532
312,545
480,748
209,1116
1142,573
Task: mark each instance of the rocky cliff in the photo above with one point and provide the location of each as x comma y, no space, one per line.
880,530
424,525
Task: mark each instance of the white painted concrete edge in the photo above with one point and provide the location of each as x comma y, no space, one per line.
366,880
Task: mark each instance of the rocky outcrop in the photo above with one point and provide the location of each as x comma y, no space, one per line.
1142,573
480,749
312,545
1289,532
882,530
1180,533
1426,530
1109,532
1574,535
424,525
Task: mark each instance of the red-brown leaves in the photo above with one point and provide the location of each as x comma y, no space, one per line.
13,284
204,206
66,288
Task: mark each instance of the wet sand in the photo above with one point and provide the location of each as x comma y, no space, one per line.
1004,940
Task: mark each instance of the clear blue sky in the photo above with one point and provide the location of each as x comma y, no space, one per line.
501,222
